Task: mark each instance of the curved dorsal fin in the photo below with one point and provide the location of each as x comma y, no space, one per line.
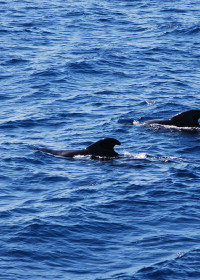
187,119
103,147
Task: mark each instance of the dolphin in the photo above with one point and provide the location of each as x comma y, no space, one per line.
184,119
101,148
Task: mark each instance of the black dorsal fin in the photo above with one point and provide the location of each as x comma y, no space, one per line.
103,147
187,118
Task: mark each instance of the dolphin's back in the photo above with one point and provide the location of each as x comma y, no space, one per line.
68,153
101,148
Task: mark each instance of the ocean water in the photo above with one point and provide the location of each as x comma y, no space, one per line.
71,73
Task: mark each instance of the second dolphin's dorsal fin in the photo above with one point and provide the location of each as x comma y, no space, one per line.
187,119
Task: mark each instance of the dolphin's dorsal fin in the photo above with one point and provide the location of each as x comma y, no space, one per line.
187,119
103,147
105,143
108,143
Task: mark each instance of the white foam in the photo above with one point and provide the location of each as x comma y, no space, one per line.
137,156
136,123
141,156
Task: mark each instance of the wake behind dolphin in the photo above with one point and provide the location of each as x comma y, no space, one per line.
101,148
185,119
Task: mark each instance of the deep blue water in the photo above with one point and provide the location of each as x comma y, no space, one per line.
71,73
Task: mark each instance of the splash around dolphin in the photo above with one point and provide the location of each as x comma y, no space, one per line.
102,148
184,119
